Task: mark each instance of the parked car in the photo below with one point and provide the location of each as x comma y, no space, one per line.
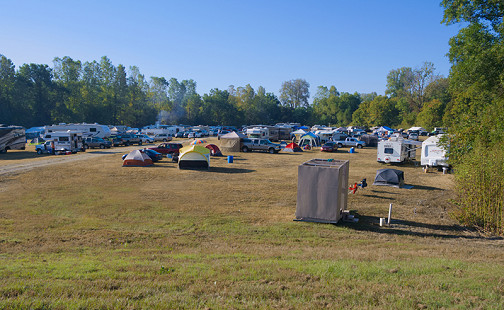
91,142
167,148
329,147
163,137
126,139
413,136
179,134
260,145
146,138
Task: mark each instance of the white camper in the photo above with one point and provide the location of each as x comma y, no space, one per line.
433,154
66,141
87,130
258,133
397,150
12,138
324,135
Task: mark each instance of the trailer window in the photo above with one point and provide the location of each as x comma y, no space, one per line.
92,129
63,139
389,150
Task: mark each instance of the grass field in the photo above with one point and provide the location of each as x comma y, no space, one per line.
94,235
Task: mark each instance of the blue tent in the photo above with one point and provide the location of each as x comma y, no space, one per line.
310,139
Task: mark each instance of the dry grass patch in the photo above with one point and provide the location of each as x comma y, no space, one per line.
93,234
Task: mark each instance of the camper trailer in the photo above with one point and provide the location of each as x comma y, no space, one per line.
66,141
87,130
433,154
396,150
324,135
258,133
12,138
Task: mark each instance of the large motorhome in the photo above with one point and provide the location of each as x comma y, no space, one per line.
397,150
258,133
87,130
66,141
12,138
433,154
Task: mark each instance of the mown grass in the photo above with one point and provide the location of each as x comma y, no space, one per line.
99,236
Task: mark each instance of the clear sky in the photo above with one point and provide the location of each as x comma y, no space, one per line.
351,44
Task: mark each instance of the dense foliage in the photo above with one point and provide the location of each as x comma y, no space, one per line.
98,91
476,112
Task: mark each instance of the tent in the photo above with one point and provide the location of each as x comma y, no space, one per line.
194,157
214,150
231,142
389,177
370,140
384,130
137,159
292,147
310,139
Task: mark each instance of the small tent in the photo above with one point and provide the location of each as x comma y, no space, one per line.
137,158
231,142
310,139
292,147
214,150
389,177
194,157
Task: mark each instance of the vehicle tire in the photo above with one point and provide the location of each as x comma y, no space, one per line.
359,146
245,149
86,146
271,150
39,151
126,143
164,140
140,143
340,145
102,146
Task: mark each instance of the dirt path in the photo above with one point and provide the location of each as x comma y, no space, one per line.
23,165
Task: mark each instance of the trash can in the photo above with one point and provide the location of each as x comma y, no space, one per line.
322,190
230,159
352,150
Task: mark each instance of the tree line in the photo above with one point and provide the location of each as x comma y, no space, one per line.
97,91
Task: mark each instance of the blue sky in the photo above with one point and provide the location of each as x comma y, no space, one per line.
349,44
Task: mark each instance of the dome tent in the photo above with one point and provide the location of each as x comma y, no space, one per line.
214,150
137,158
389,177
292,147
194,157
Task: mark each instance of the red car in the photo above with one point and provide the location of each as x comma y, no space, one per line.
329,147
167,148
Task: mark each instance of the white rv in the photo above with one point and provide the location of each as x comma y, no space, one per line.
66,141
433,154
87,130
12,138
258,133
324,135
396,150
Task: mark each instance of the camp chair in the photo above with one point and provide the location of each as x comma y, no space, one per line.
353,189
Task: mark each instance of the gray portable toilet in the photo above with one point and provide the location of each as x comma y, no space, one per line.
322,190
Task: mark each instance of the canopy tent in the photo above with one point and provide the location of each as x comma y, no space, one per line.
383,129
389,177
416,129
292,147
137,159
310,139
194,157
214,150
231,142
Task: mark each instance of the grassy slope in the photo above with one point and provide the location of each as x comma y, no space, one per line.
96,235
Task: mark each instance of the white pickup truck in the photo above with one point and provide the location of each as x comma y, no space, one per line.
351,142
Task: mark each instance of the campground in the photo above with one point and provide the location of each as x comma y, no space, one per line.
93,234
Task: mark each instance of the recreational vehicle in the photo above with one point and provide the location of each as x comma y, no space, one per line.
258,133
87,130
324,135
396,150
162,130
66,141
433,154
12,138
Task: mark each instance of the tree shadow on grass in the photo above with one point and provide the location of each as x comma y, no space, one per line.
229,170
411,228
429,188
376,196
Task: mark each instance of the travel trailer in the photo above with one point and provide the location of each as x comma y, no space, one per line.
433,154
258,133
87,130
397,150
12,138
162,129
66,141
324,135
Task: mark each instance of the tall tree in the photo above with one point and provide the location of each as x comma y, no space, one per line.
295,93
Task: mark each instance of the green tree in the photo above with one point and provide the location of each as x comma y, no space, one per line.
295,93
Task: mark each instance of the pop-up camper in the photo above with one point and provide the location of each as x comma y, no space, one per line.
433,154
396,150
